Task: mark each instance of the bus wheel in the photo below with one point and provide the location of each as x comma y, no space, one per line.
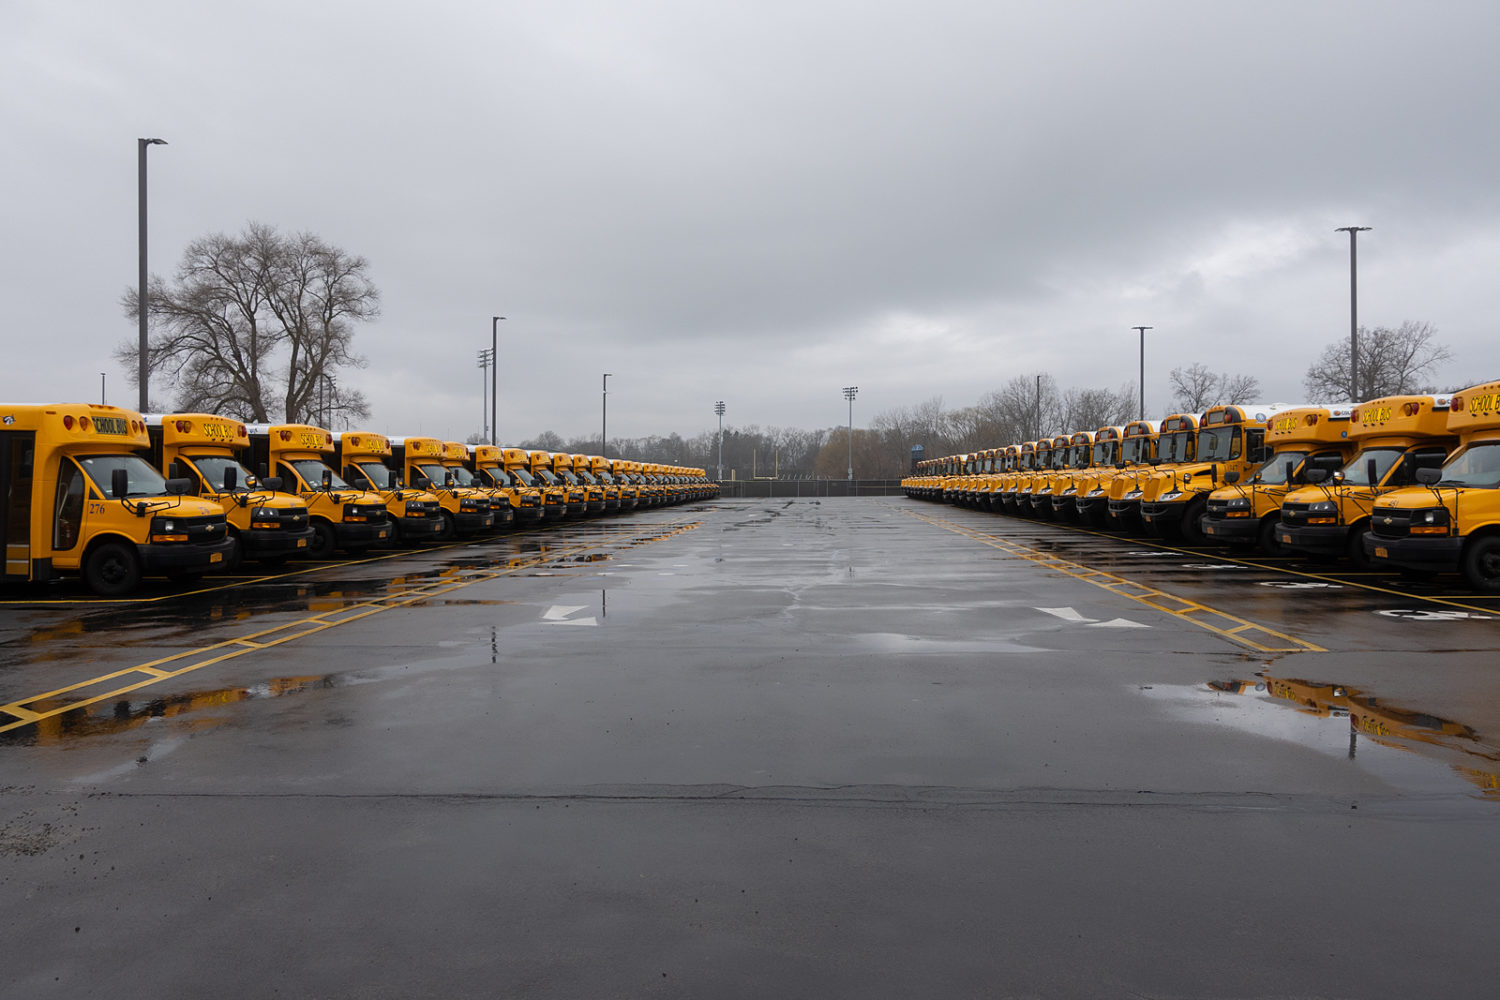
111,570
1354,549
1191,528
1481,563
235,555
323,540
448,529
1265,538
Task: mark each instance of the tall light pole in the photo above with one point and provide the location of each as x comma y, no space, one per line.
1142,330
101,389
1353,232
486,358
719,409
494,376
1036,413
850,391
140,145
604,417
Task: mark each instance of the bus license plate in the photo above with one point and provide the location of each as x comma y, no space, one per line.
216,557
301,543
1381,553
1286,539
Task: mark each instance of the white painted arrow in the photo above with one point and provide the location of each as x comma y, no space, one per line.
1118,623
1070,615
558,615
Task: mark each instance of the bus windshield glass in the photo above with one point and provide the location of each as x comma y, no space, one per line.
1136,449
1177,447
1218,443
1273,473
213,467
311,470
522,477
1080,456
545,475
463,476
381,476
1356,473
140,479
1476,465
435,473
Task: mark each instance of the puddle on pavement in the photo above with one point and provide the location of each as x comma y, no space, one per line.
1410,750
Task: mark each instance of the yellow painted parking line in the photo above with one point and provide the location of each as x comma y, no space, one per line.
1231,627
27,711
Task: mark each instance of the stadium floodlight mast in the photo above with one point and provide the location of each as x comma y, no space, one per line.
1353,232
486,359
850,391
140,172
719,409
1142,331
494,377
604,418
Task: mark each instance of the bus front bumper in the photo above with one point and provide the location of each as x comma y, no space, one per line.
1322,539
1230,529
183,557
1439,554
353,534
466,523
262,543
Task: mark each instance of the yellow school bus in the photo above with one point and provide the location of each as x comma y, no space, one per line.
264,524
1008,488
1174,497
570,497
456,463
80,497
1041,483
629,493
1135,451
1306,443
518,466
1452,520
601,499
1176,444
1396,436
488,463
364,459
462,511
1079,459
647,493
342,516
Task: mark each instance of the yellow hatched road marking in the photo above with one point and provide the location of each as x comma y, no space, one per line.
27,711
1186,610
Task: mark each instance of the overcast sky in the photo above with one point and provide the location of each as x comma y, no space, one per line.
764,202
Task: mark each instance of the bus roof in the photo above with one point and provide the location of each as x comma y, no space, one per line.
1401,416
1308,425
353,443
1475,410
205,429
77,424
293,437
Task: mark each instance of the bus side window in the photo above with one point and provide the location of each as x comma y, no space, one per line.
67,517
288,477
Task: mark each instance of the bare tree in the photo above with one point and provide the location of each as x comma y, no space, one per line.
258,318
1196,388
1391,363
1090,409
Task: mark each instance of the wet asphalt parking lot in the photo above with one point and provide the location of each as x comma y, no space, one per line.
764,748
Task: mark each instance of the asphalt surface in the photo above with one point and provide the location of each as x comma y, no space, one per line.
761,748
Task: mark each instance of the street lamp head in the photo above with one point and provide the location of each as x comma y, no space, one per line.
1352,229
154,142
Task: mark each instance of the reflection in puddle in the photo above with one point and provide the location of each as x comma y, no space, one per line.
1410,749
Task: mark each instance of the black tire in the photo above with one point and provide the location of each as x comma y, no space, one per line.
112,570
1354,548
236,554
1191,527
1481,563
324,542
448,530
1265,537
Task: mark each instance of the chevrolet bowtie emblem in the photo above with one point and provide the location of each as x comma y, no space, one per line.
1387,520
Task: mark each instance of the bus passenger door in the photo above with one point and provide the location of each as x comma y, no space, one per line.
16,451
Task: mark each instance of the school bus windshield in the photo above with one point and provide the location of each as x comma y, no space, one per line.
213,468
1476,465
434,472
1104,452
1273,473
523,477
1218,443
1356,472
1177,447
462,476
311,470
546,476
1136,449
381,476
140,478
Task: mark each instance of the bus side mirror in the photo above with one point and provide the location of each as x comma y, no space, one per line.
1315,476
178,487
119,484
231,478
327,480
272,483
175,470
420,481
1370,472
1291,471
1429,476
1232,476
1338,475
1213,473
448,480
